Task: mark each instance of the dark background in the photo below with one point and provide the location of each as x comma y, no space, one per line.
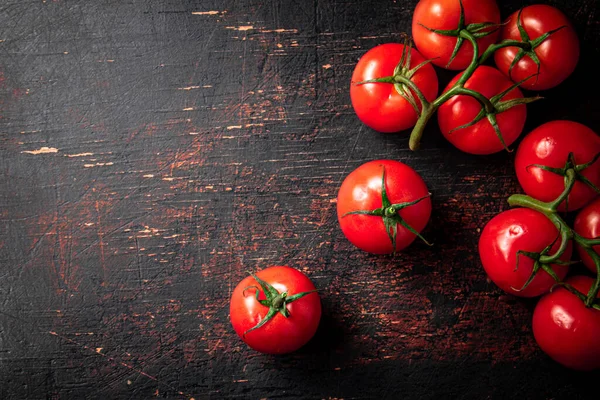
152,151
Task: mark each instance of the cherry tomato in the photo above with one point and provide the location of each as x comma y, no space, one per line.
557,54
587,225
371,223
481,138
275,311
566,329
379,105
550,145
445,15
520,229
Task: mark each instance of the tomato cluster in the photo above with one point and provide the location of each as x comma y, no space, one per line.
383,205
527,251
482,110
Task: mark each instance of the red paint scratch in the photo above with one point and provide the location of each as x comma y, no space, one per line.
101,242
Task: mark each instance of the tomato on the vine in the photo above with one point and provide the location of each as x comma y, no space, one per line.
553,51
382,206
276,310
549,146
445,15
456,115
520,230
390,107
566,329
587,225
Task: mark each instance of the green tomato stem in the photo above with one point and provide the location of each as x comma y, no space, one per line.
429,109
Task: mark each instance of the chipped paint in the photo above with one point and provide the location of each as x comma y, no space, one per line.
98,164
279,30
213,12
240,28
79,155
41,150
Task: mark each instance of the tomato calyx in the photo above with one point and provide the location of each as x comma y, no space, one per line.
494,106
476,30
571,165
543,260
390,214
401,79
527,46
275,301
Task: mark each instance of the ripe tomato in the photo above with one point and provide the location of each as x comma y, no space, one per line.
566,329
550,145
369,221
275,311
587,225
481,138
519,229
379,105
445,15
557,54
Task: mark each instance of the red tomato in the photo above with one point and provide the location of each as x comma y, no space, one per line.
587,225
379,105
362,191
507,233
566,329
550,145
278,334
481,138
558,53
445,15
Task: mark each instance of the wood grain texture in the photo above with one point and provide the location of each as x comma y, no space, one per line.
152,151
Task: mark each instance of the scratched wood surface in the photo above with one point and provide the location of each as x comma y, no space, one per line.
152,151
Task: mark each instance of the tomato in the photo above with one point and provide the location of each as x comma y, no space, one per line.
481,138
550,145
445,15
373,219
520,229
259,305
587,225
379,105
558,53
566,329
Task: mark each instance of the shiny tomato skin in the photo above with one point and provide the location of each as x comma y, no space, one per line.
379,105
558,54
566,330
550,145
481,138
587,225
513,230
279,335
361,190
445,15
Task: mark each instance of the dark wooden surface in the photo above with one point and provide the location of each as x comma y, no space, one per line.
152,151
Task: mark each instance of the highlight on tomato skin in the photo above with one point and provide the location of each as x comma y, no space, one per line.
382,221
380,105
558,53
276,310
514,230
549,145
566,329
587,225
